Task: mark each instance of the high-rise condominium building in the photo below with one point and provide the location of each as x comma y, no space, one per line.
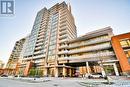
53,48
1,67
1,64
52,29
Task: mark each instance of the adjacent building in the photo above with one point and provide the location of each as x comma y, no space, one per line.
85,54
1,67
12,64
1,64
121,46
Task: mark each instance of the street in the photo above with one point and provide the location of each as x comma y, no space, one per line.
54,83
62,82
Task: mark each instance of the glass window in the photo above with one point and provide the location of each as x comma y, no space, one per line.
125,43
128,55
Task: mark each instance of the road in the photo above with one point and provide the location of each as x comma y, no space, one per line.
54,83
62,82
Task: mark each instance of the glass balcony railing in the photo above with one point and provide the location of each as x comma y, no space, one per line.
63,52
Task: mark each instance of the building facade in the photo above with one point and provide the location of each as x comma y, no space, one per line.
121,46
1,67
53,48
12,64
52,28
85,54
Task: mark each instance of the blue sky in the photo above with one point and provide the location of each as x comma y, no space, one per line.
89,15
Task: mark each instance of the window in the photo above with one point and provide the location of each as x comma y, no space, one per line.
128,55
125,43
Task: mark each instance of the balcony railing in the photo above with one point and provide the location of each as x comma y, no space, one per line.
63,32
91,48
39,56
40,40
63,52
64,40
63,46
41,36
37,52
38,44
38,48
63,36
88,56
89,42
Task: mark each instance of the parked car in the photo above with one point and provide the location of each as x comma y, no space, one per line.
4,75
95,75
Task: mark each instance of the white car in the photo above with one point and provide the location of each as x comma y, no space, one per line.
95,75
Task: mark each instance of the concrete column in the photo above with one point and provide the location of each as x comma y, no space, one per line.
102,70
45,71
70,72
64,71
56,71
87,66
115,69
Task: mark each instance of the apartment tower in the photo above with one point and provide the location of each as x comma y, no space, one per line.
52,29
12,64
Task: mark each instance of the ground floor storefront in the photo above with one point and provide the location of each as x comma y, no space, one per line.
81,69
72,69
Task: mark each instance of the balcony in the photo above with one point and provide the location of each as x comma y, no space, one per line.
63,28
39,44
63,52
91,48
42,30
39,37
39,56
89,42
90,56
63,46
63,37
63,32
37,52
64,40
38,48
40,40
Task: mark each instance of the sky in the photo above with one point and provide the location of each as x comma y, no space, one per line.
89,15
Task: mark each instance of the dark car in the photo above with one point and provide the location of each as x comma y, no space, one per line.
4,75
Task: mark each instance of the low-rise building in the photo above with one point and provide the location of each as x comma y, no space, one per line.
85,54
121,46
